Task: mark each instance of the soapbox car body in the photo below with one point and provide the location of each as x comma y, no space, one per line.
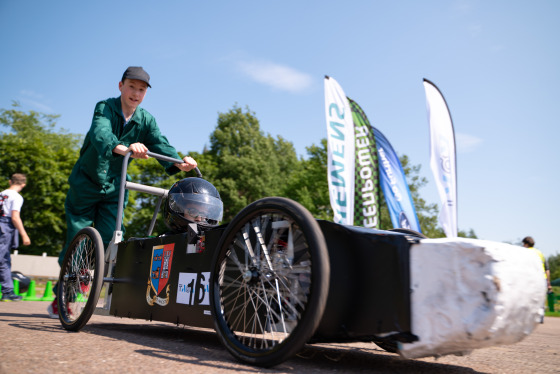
270,281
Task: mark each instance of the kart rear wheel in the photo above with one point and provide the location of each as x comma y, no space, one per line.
269,282
409,232
81,279
390,346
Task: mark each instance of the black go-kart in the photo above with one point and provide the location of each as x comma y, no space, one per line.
275,278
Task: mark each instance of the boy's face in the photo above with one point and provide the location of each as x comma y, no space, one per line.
132,93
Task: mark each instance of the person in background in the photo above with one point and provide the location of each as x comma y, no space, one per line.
10,224
529,242
119,126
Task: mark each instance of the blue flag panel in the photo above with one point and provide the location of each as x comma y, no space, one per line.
394,186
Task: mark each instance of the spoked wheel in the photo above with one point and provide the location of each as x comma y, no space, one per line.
81,279
270,281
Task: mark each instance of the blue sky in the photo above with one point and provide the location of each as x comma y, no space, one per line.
496,62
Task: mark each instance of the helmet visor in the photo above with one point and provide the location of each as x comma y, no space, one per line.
196,207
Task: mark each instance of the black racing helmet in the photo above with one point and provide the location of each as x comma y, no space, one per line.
192,200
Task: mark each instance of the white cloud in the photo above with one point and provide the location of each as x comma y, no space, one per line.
37,105
463,6
277,76
498,47
34,100
475,29
467,143
31,94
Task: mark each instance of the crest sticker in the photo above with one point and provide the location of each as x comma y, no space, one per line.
159,274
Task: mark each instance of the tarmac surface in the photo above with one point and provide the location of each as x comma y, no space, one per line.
33,343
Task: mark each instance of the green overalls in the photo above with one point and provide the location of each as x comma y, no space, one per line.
95,179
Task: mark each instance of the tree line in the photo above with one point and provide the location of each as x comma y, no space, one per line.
243,162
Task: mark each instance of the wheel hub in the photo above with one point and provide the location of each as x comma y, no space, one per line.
251,275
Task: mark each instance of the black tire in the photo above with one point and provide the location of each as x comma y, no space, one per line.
390,346
410,232
267,304
81,279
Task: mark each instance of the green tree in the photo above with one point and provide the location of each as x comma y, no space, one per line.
307,184
30,144
554,266
242,162
247,164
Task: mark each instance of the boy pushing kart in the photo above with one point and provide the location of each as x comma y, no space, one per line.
119,126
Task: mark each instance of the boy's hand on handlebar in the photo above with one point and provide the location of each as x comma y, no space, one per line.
139,150
188,164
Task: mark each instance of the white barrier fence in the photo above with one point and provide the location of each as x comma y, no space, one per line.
35,266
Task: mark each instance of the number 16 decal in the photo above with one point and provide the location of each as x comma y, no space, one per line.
193,288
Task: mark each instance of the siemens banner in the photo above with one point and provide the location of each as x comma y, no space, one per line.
340,146
366,178
394,186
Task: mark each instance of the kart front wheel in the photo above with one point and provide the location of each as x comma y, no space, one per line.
269,282
81,279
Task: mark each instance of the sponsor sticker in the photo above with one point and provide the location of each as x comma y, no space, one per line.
193,288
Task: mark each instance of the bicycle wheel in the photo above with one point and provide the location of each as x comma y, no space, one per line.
270,281
81,279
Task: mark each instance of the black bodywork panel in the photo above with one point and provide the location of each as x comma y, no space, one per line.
369,293
189,280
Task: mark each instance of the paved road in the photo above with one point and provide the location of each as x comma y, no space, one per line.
33,343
